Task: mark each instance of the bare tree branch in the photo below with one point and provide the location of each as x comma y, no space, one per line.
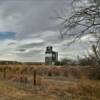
84,20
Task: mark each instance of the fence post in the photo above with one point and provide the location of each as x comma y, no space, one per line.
35,76
4,73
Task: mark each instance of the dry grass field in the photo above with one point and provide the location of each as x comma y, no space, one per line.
52,83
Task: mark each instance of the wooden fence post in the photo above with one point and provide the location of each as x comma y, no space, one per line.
4,73
35,77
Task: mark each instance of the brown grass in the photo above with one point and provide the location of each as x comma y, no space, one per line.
53,83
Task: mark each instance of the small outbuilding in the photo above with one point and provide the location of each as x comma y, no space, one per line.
51,57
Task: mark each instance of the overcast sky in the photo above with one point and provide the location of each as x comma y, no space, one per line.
28,26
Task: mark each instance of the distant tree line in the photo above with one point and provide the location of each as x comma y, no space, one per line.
9,62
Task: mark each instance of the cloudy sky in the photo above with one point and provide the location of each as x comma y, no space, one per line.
28,26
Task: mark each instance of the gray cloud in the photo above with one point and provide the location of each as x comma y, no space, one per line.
36,27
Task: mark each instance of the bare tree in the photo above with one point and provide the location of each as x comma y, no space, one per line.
84,20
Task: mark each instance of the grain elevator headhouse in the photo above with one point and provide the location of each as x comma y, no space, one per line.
51,57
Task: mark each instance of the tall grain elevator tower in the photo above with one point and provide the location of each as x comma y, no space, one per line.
51,57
